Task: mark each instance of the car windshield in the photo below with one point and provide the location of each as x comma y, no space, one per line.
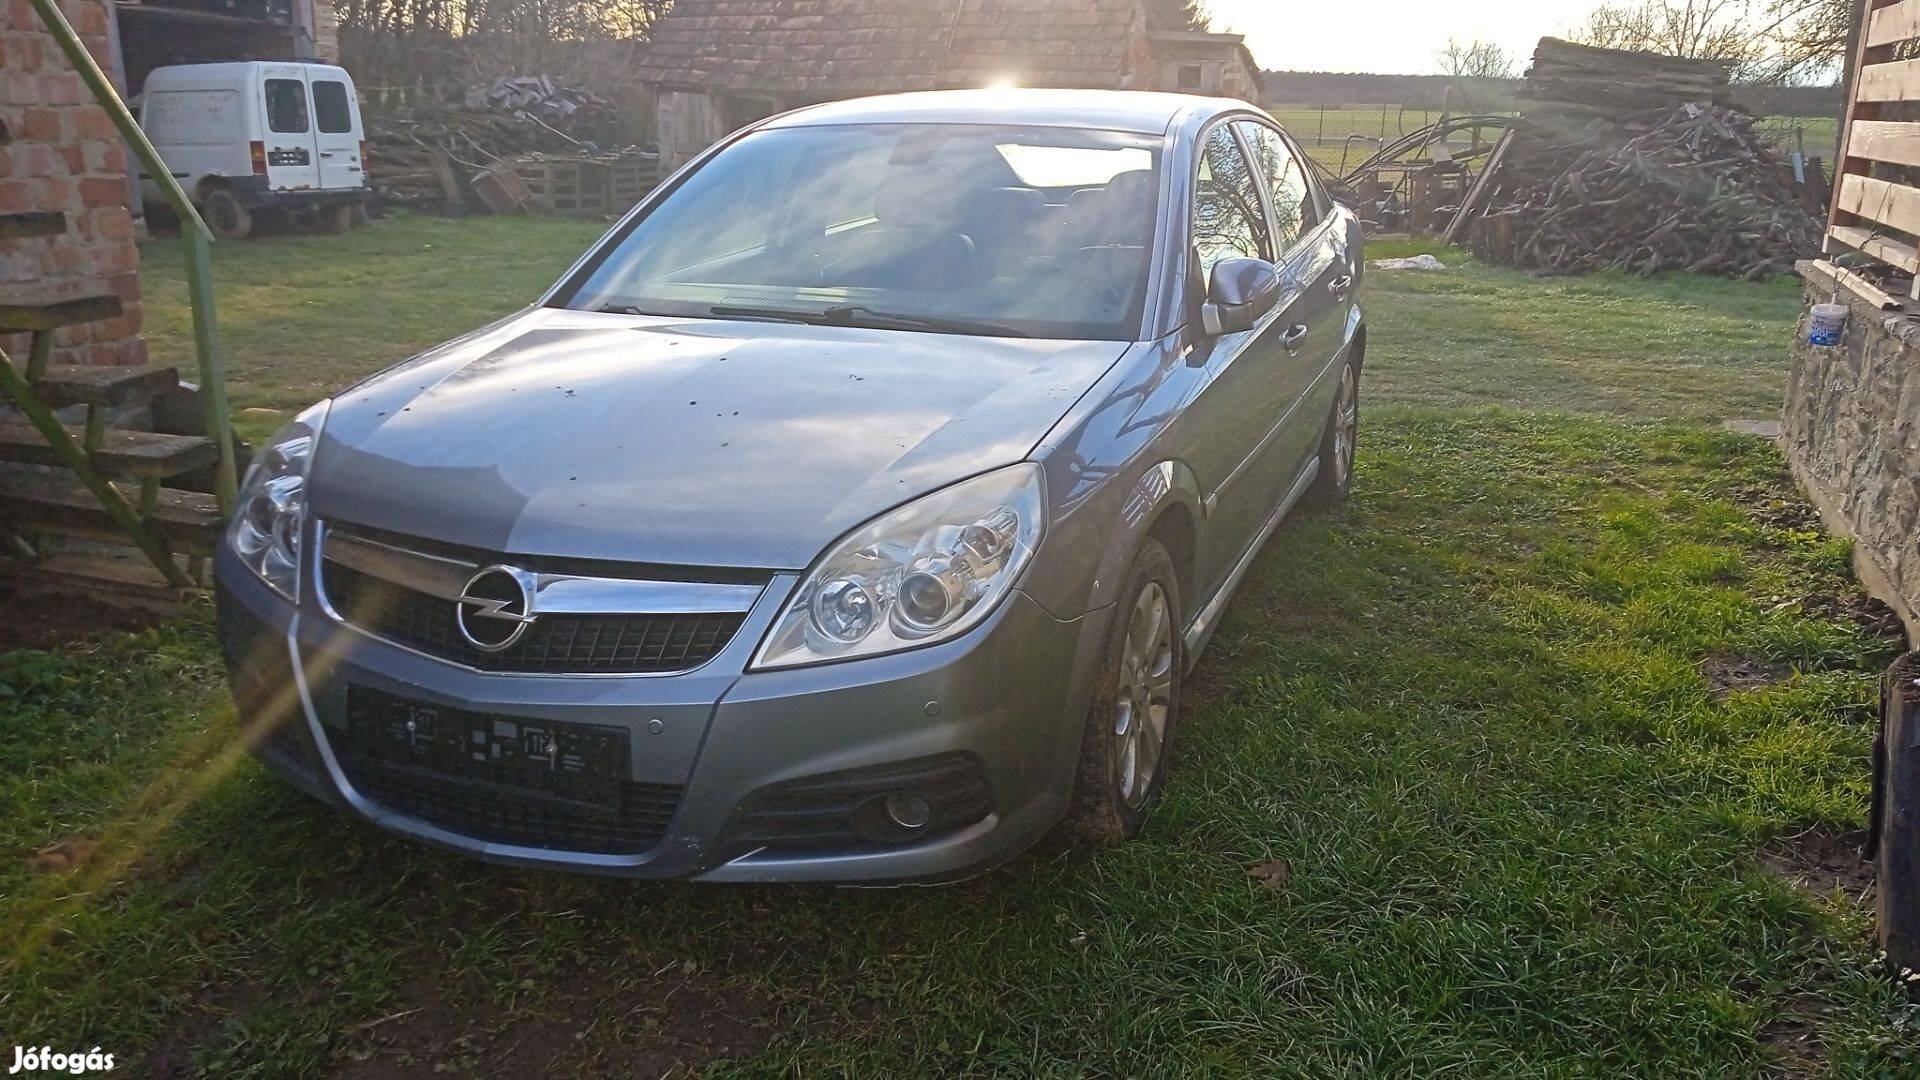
995,231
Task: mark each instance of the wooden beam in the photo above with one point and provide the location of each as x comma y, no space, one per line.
1891,25
1894,205
1898,81
1480,185
1857,110
1892,252
1891,141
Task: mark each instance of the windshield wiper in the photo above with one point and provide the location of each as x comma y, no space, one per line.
619,309
861,315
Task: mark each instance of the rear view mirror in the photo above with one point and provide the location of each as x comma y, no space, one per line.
1238,294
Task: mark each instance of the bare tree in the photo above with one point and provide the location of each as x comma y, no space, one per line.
1701,29
1812,38
1178,15
1475,60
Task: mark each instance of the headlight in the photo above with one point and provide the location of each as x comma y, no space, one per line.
924,573
272,514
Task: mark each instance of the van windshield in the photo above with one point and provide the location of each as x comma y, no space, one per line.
1027,231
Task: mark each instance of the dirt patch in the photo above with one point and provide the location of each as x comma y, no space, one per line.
1729,674
1792,1040
200,1025
1874,618
1780,508
604,1023
35,622
1820,860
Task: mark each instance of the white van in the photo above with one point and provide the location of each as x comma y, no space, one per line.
259,135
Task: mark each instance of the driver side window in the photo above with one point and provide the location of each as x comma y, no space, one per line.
1228,220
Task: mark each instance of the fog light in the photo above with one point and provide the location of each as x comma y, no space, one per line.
907,810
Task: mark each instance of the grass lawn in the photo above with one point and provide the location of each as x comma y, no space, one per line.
1541,726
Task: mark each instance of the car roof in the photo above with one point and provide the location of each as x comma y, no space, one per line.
1104,110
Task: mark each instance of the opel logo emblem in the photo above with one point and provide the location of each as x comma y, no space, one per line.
494,609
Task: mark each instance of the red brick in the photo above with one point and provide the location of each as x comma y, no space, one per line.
55,193
103,191
41,125
111,259
105,157
92,122
63,88
38,159
15,198
114,224
126,287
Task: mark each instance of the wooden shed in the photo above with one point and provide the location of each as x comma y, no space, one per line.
717,65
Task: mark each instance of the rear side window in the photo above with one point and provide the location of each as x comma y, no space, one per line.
330,108
1228,220
286,106
1274,159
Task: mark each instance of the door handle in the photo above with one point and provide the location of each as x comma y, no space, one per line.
1295,337
1341,286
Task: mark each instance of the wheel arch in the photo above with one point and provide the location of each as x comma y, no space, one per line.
1164,505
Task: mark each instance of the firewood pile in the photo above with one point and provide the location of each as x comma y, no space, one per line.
1637,163
426,149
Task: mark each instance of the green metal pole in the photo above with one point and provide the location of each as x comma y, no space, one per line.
206,339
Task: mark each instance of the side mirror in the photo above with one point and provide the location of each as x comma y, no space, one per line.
1239,293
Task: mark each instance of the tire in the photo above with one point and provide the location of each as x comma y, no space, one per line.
225,217
334,219
1334,482
1111,797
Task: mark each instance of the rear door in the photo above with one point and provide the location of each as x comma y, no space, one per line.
336,125
292,156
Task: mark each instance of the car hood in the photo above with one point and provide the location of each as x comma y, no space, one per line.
682,442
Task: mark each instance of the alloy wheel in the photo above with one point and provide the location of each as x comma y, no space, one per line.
1346,425
1144,696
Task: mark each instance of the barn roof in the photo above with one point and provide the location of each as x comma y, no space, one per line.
837,47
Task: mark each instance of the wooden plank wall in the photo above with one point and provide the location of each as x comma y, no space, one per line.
1874,216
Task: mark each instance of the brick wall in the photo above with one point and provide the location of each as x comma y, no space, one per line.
66,156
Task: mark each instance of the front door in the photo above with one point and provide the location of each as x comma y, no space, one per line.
293,162
336,124
1313,266
1251,379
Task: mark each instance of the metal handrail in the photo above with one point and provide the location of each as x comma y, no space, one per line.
206,339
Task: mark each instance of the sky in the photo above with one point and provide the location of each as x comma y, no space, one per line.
1388,36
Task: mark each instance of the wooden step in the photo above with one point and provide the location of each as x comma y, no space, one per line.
32,224
18,315
112,387
115,577
121,453
51,502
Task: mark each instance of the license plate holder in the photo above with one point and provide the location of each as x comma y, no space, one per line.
586,765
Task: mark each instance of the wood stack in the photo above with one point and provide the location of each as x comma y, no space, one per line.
1570,85
1634,162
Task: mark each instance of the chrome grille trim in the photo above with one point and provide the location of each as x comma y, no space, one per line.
553,594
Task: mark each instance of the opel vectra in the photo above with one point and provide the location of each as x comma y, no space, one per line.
853,511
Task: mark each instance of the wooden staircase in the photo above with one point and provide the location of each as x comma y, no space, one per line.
61,476
72,483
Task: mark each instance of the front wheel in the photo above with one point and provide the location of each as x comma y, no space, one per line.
1129,732
1334,482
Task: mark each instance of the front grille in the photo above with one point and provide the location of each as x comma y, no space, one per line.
479,775
627,644
489,816
842,811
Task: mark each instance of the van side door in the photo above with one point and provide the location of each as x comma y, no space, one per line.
287,131
336,124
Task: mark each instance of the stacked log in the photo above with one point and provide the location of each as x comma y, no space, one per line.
425,149
1634,162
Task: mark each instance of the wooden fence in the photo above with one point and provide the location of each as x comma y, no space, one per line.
1876,206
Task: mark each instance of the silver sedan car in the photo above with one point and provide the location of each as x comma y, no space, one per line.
853,511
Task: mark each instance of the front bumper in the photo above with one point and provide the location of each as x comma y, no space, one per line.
1008,698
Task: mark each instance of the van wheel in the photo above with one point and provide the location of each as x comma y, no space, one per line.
225,216
336,219
1130,725
1337,446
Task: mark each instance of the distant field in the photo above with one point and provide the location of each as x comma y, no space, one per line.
1351,133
